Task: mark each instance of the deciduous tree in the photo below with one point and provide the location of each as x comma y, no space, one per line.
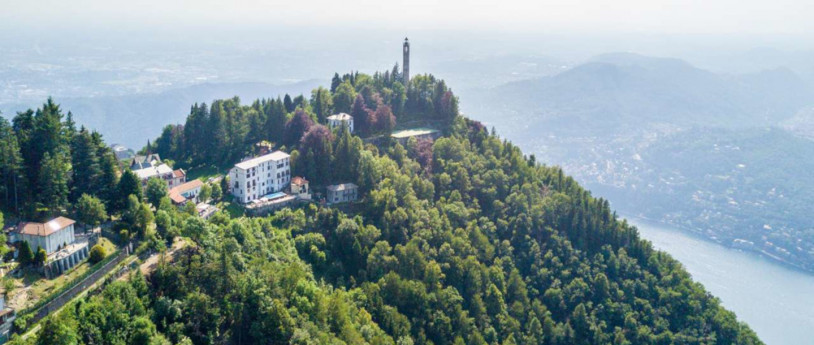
156,189
90,210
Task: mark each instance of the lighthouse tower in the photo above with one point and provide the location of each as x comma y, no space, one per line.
405,74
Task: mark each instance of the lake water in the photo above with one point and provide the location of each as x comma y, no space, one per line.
776,301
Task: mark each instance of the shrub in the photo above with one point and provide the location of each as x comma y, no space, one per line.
26,255
124,236
97,253
40,257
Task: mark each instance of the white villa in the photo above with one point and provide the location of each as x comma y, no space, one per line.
56,237
48,236
260,176
337,120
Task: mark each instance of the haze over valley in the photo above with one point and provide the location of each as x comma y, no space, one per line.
695,135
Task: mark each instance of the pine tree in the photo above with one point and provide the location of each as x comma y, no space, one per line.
256,122
288,103
129,184
40,257
108,179
69,128
321,103
85,164
48,128
195,133
346,155
335,81
317,144
215,136
26,256
54,179
274,128
12,178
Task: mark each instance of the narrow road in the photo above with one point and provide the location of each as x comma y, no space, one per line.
148,266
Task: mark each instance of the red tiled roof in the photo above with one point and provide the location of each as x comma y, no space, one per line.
177,198
40,229
299,181
186,186
179,173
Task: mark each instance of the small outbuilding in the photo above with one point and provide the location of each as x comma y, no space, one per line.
344,192
189,191
299,188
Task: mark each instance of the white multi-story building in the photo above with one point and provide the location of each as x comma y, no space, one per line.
257,177
337,120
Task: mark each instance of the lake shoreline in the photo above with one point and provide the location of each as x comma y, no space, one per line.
697,233
772,298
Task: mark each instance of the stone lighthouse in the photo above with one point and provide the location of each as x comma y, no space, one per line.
405,74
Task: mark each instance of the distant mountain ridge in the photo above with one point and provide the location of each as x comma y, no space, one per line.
668,141
616,90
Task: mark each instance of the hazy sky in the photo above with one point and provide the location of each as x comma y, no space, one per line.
546,16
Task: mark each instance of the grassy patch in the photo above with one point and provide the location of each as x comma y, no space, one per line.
39,287
203,173
43,287
232,208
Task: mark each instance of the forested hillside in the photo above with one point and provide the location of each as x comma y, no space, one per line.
47,164
464,240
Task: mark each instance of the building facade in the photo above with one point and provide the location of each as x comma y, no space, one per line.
122,152
254,178
344,192
57,238
50,236
161,171
337,120
149,166
179,177
7,317
186,192
299,188
148,161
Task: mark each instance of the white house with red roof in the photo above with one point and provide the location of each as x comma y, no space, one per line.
186,192
50,236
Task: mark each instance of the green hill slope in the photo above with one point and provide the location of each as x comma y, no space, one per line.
461,241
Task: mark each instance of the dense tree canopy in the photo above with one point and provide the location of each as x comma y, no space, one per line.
46,164
90,210
462,240
224,133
